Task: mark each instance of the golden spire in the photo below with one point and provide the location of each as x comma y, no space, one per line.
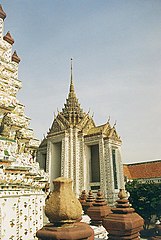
71,78
72,111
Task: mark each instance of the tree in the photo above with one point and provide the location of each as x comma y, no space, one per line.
146,199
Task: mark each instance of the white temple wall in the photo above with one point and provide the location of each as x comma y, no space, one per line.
120,169
21,214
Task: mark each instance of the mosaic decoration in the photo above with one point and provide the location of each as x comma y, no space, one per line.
21,180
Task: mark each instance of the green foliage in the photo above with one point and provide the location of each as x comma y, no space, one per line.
146,199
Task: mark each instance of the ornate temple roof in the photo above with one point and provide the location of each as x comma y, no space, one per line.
106,130
72,115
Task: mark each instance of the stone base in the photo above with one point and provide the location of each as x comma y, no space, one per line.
98,213
128,237
96,222
67,231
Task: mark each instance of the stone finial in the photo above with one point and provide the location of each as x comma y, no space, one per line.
2,13
89,201
8,38
83,197
63,206
63,210
100,201
15,57
90,197
122,194
99,210
123,222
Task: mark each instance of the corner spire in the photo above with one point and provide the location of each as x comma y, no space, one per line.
8,38
2,13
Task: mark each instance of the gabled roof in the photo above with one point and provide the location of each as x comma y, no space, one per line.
150,169
105,129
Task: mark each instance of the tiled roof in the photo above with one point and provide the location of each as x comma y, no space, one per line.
142,170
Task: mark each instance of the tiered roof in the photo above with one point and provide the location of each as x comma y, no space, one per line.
72,111
72,115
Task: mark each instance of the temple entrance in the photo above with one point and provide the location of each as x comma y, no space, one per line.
42,161
94,167
56,159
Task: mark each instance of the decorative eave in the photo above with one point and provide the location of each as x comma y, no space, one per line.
15,57
2,13
8,38
53,134
104,131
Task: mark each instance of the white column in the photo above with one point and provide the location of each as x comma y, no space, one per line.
70,153
102,166
65,156
49,161
120,169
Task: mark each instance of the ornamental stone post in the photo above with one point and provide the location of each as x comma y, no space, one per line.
64,213
123,223
99,210
83,197
89,202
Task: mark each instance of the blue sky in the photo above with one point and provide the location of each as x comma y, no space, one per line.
116,47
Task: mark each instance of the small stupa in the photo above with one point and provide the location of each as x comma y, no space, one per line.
89,202
123,223
99,210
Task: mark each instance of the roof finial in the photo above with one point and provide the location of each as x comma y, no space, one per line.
115,123
71,69
71,78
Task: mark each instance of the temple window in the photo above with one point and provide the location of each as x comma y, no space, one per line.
114,168
95,165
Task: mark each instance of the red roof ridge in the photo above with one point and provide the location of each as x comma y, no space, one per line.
146,162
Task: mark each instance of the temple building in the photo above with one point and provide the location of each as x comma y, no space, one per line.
21,180
76,148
